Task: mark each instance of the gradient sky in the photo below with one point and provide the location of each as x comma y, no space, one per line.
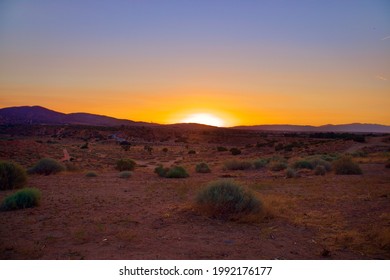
248,62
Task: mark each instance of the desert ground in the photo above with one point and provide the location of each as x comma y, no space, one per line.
149,217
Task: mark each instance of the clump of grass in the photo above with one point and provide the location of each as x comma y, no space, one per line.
226,199
221,149
237,165
177,172
125,174
277,165
91,174
312,163
320,170
47,166
260,163
24,198
165,150
173,172
202,168
291,173
235,151
12,176
387,165
302,164
191,152
161,171
125,165
346,166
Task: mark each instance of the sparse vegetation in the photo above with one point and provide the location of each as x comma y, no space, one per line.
202,168
191,152
84,146
165,150
173,172
91,174
125,174
227,200
221,149
24,198
125,165
346,166
237,165
260,163
235,151
277,165
46,166
12,176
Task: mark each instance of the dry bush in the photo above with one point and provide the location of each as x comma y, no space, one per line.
12,176
237,165
202,168
47,166
346,166
125,165
225,199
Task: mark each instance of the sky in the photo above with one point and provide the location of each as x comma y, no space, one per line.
243,62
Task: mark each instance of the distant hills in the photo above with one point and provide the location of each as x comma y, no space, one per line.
351,128
41,115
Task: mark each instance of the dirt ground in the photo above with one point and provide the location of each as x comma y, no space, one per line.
148,217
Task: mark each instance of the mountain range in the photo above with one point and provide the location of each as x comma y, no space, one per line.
41,115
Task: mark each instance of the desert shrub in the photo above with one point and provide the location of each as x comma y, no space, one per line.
165,150
125,165
235,151
318,161
221,149
227,199
202,168
148,148
24,198
260,163
161,170
387,165
125,174
320,170
279,147
291,173
84,146
71,167
91,174
191,152
277,165
302,164
345,166
237,165
12,176
173,172
47,166
177,172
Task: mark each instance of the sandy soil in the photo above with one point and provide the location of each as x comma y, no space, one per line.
147,217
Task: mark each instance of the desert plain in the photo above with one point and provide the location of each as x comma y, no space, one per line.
144,216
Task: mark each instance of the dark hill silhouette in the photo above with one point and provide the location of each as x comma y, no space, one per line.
41,115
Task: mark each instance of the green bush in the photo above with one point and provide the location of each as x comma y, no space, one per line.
202,168
161,171
237,165
12,176
320,170
227,199
302,164
177,172
173,172
278,165
24,198
125,174
345,166
260,163
91,174
125,165
235,151
221,149
47,166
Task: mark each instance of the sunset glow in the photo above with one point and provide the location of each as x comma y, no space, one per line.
255,62
206,119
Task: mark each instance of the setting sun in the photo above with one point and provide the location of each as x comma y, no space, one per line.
206,119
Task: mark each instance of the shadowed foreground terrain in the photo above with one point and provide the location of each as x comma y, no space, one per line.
149,217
